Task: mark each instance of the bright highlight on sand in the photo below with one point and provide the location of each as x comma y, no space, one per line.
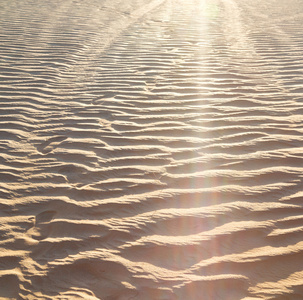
151,149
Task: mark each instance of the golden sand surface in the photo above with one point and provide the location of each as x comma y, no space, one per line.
151,149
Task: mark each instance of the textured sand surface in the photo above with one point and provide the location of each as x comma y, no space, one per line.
151,149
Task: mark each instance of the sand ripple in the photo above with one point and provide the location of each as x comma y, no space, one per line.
151,149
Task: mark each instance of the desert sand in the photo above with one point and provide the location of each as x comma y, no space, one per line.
151,149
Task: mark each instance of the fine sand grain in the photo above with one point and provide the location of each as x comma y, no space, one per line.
151,149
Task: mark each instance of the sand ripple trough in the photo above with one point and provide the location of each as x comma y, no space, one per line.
151,149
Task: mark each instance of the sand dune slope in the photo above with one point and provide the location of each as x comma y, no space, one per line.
151,149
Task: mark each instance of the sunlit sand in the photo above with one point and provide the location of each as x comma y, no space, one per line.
151,149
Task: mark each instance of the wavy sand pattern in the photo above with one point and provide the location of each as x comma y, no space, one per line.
151,149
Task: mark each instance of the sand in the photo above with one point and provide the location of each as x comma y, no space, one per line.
151,149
